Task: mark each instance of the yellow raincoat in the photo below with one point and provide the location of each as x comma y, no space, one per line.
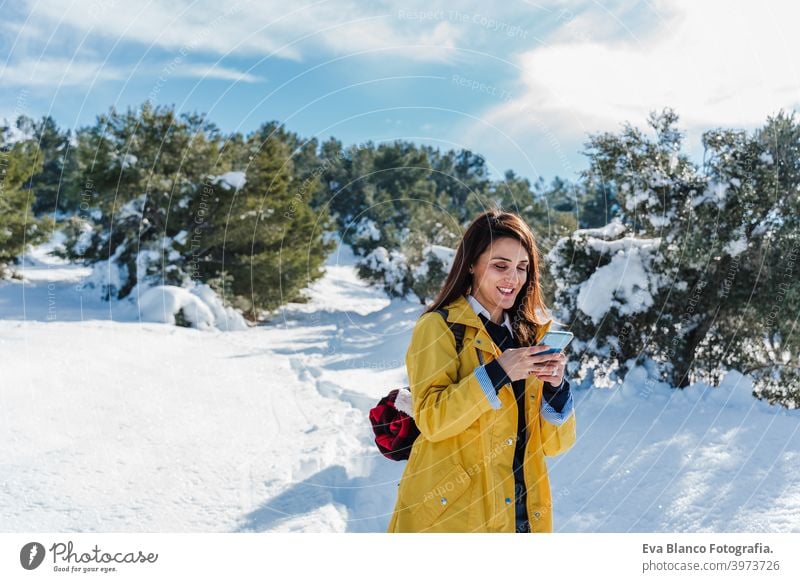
459,475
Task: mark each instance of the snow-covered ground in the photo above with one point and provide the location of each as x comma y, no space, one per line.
109,423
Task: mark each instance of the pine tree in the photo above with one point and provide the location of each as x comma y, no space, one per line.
19,160
756,188
51,186
690,252
264,237
139,169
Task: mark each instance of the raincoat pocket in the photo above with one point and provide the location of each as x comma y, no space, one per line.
442,497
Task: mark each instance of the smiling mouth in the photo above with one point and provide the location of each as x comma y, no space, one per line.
506,291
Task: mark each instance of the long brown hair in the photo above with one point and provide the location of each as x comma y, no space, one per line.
529,310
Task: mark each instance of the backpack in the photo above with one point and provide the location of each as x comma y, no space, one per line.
392,420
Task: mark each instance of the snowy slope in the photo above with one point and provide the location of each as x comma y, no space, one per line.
111,424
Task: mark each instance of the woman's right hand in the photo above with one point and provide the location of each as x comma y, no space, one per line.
519,362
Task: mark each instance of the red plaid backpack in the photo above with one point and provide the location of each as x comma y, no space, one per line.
392,420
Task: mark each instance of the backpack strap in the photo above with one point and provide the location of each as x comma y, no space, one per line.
456,328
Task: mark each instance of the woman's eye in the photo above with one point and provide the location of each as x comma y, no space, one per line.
503,268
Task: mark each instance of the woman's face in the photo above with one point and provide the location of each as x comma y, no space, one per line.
498,275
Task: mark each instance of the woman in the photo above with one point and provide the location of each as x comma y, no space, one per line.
490,414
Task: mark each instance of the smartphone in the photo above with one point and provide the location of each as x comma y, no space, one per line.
557,340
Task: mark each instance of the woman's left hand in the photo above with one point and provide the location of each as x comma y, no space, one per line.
549,367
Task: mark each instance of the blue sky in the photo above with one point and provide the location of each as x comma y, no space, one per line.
522,83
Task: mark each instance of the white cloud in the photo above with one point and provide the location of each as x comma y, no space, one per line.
212,71
248,28
716,63
432,41
56,72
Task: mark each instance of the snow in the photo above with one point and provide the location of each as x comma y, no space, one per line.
107,276
13,134
658,220
736,247
84,240
700,459
180,238
230,180
128,161
445,254
624,244
224,317
610,231
639,197
367,229
773,220
53,289
673,160
134,207
111,423
162,303
392,264
623,283
716,192
200,305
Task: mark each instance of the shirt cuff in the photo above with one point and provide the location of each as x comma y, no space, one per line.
556,396
497,375
557,418
487,386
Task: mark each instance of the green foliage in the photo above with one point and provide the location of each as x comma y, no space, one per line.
18,162
50,184
393,201
138,171
759,298
719,247
429,226
264,237
428,279
153,199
